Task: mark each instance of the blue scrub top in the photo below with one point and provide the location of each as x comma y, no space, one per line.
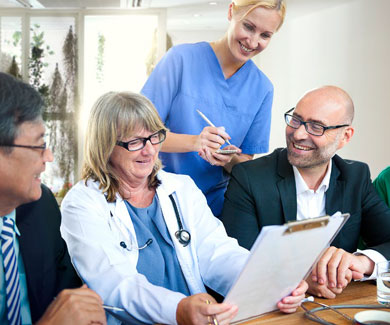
157,261
189,77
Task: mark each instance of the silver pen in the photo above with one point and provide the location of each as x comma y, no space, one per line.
112,308
209,123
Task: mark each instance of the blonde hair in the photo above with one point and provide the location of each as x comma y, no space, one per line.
278,5
114,116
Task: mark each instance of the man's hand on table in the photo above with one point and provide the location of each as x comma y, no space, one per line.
335,270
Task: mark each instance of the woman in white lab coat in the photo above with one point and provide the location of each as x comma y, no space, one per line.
145,239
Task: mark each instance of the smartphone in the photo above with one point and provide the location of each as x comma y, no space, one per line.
226,151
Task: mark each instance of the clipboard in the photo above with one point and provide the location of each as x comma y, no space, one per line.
280,258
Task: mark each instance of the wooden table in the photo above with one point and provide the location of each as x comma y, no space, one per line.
356,293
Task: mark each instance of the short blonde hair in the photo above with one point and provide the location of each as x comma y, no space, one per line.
114,116
278,5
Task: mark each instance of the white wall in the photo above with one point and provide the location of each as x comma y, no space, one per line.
344,43
188,36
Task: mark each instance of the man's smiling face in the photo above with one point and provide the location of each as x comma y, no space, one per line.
305,150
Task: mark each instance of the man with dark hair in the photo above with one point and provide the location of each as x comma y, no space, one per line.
35,265
306,180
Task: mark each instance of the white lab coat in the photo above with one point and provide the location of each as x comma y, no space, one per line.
94,228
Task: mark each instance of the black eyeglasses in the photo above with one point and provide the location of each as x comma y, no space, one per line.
312,128
139,143
42,147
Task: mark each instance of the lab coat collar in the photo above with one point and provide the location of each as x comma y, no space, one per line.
169,184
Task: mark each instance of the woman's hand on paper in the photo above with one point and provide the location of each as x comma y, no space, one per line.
290,303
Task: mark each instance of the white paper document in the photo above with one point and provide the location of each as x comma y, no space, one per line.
279,260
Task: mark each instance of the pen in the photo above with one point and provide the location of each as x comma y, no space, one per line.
112,308
209,122
308,299
215,322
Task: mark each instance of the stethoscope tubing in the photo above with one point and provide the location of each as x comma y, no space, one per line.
310,314
182,235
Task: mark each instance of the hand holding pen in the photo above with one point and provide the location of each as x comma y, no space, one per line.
211,124
85,301
210,141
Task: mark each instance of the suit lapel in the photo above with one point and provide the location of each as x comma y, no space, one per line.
286,186
29,223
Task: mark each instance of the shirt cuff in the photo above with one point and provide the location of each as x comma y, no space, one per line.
374,256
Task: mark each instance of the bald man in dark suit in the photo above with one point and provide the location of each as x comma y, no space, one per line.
307,179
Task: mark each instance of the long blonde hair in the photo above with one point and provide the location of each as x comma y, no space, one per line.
278,5
116,115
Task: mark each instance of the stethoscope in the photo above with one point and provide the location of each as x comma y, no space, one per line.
182,235
310,314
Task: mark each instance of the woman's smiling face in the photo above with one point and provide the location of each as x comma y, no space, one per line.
250,34
135,166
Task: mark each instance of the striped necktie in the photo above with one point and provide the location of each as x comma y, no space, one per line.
11,272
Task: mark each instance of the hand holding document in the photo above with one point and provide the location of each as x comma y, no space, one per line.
280,258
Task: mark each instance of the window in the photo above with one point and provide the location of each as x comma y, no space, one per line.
114,52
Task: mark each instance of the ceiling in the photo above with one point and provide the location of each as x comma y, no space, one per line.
181,14
51,4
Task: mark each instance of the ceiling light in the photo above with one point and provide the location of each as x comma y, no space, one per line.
24,3
36,4
130,3
213,3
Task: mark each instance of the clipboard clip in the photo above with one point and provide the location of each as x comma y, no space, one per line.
295,226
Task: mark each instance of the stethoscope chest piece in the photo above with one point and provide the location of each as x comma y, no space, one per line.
183,236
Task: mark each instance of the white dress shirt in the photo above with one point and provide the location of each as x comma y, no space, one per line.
311,204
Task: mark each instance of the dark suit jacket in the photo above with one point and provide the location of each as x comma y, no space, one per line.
262,192
44,252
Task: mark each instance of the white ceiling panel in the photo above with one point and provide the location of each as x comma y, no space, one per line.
54,4
181,14
10,4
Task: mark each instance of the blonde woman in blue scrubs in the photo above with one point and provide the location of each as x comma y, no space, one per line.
220,80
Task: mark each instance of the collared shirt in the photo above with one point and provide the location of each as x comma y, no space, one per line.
25,306
311,204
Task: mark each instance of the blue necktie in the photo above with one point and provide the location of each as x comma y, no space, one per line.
11,272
